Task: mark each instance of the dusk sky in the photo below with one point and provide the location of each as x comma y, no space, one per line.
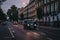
19,3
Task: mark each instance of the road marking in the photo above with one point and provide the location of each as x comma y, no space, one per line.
11,33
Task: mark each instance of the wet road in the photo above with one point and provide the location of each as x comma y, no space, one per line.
42,34
5,33
52,33
19,33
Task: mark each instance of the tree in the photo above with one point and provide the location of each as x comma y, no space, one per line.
9,14
39,14
13,13
38,1
2,15
22,16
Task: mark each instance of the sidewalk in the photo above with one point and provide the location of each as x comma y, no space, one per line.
48,27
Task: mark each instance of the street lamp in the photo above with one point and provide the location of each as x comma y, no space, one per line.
7,18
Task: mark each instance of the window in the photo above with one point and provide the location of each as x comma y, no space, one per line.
41,2
44,9
56,6
55,18
48,0
45,1
58,16
52,7
44,19
25,12
48,8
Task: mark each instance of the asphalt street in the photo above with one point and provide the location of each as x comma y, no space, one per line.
17,32
5,33
53,33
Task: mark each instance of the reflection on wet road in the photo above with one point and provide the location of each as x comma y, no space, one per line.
32,36
21,34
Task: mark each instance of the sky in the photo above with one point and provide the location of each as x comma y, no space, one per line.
19,3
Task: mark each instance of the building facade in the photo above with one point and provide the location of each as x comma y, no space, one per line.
29,11
51,11
20,10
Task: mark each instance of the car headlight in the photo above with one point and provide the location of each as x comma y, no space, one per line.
35,25
28,25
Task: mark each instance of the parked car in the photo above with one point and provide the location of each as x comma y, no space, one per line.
30,24
33,25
